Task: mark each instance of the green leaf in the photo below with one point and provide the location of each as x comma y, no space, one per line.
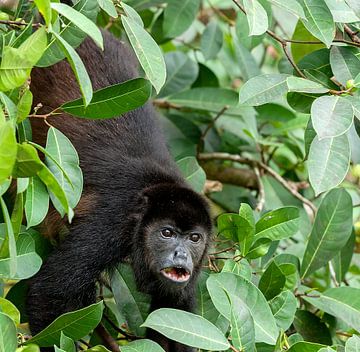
328,162
344,63
132,304
81,21
319,20
130,12
79,69
342,260
341,11
66,343
54,187
263,89
211,40
278,224
178,16
331,116
37,202
112,101
75,325
303,346
341,302
247,64
181,73
300,50
8,150
237,228
109,7
70,32
242,325
256,16
272,281
28,261
44,9
291,6
311,328
10,309
283,307
8,339
218,284
330,232
147,51
11,263
17,63
242,32
259,248
28,162
24,106
61,150
301,85
187,328
143,345
192,172
353,344
211,99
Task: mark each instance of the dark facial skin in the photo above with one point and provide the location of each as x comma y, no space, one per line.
175,252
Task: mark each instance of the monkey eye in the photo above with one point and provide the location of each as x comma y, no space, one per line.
167,233
194,237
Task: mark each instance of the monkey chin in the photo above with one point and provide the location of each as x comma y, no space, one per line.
176,274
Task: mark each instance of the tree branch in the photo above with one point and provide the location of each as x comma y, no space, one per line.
261,165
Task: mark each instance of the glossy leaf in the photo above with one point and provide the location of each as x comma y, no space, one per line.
341,302
178,16
319,20
219,284
301,85
352,344
75,325
112,101
8,340
263,89
81,21
181,73
187,328
211,40
192,172
147,52
28,162
278,224
331,116
61,150
66,343
283,307
109,7
330,232
24,106
8,150
291,6
45,9
37,202
272,281
328,162
256,16
143,345
78,68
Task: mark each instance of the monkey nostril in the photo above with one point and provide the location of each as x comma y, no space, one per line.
180,254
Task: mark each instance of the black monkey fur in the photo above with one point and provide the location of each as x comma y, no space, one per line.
131,189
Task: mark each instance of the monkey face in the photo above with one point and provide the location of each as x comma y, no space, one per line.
174,253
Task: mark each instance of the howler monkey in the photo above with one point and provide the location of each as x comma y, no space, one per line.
135,205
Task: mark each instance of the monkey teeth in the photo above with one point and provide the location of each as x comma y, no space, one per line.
176,274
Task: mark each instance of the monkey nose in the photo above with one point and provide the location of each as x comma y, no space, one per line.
180,254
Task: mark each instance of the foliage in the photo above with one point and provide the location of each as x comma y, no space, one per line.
260,96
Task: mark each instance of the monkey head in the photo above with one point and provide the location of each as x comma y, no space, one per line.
176,231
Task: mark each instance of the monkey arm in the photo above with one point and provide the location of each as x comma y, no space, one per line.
66,280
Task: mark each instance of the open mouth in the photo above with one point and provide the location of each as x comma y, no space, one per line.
176,274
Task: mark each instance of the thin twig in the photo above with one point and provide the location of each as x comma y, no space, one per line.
234,349
108,340
261,192
207,129
261,165
351,34
333,274
18,23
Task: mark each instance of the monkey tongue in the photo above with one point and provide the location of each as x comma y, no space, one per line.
176,274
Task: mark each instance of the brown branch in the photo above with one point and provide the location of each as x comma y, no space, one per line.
351,34
235,176
200,144
18,23
261,193
108,340
261,165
